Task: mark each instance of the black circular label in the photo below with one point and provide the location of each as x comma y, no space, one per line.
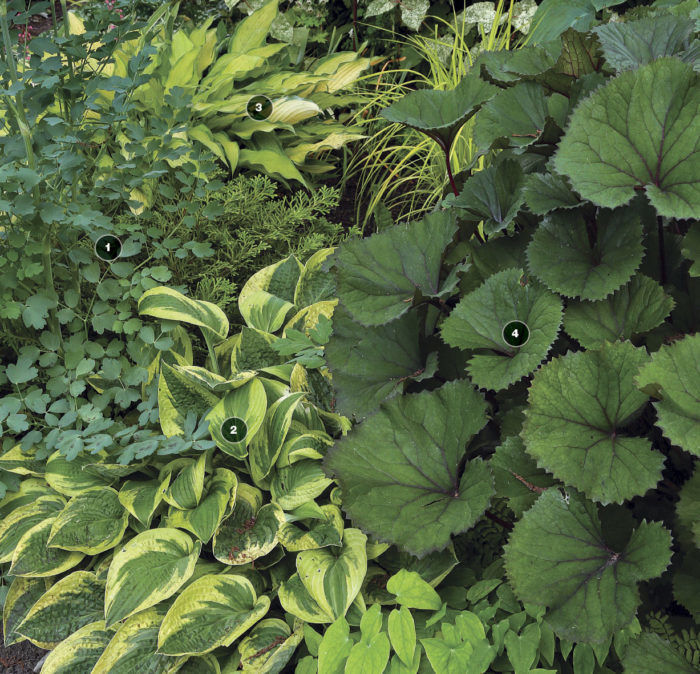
259,108
108,248
516,333
234,429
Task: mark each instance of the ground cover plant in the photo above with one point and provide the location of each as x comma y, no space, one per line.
465,443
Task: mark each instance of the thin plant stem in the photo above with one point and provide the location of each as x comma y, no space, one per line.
662,249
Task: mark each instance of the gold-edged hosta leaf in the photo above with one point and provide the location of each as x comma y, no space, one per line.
307,318
293,109
186,490
212,612
111,471
142,498
169,304
279,279
68,477
21,596
203,520
30,489
22,519
15,460
34,559
251,532
92,522
315,533
68,605
294,485
269,646
315,284
149,568
78,653
252,350
134,647
201,664
333,141
215,382
295,599
247,402
264,311
300,446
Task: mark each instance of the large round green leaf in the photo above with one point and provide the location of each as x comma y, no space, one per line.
149,568
674,375
557,557
416,490
79,653
477,322
579,405
639,130
652,654
213,611
33,558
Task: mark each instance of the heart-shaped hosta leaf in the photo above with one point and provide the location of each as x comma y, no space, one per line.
252,350
211,612
546,192
651,654
134,647
639,306
22,519
279,279
250,532
631,44
149,568
74,601
517,476
441,114
296,484
70,477
561,255
92,522
379,276
21,596
78,653
269,646
203,520
33,558
493,196
691,249
579,405
370,365
639,130
16,460
142,498
688,508
315,284
477,322
263,311
295,599
186,490
557,557
417,490
674,375
314,533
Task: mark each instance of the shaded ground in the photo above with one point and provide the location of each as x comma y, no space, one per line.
19,658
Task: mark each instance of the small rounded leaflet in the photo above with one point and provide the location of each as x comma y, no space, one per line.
108,248
234,429
516,333
259,108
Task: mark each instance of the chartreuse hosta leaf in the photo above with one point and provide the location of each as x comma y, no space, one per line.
557,557
78,653
169,304
92,522
21,596
213,611
641,129
22,519
186,490
248,402
34,559
370,365
269,646
651,653
478,321
441,114
134,647
635,308
402,632
579,405
413,592
379,276
418,490
251,532
72,602
561,254
326,582
149,568
70,477
320,531
204,519
673,375
141,498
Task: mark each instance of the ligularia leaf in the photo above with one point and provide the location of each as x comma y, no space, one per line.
557,557
415,491
641,130
579,406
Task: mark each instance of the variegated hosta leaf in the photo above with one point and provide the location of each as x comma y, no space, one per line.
71,603
269,646
15,460
300,445
78,653
30,489
203,520
21,596
264,311
315,533
186,490
22,519
33,558
279,279
149,568
212,612
579,406
142,498
315,284
308,318
92,522
68,477
296,484
250,532
295,599
134,647
252,350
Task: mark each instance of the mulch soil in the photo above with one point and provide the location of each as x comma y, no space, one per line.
19,658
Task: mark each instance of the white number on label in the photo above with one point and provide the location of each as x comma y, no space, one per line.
515,333
234,430
107,247
258,107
